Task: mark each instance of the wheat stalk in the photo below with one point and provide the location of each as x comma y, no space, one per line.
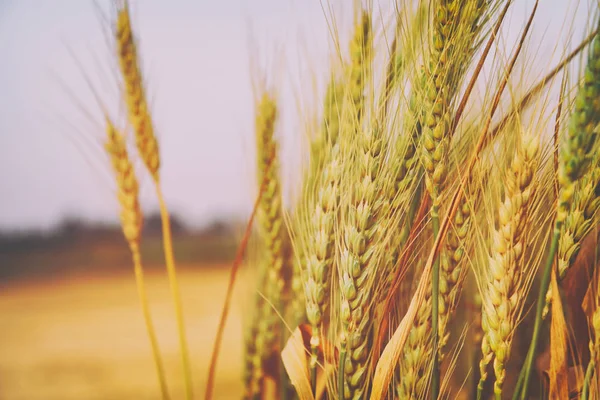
147,145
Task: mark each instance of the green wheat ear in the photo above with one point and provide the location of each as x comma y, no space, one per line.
579,144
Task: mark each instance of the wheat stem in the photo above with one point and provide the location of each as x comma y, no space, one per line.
314,358
175,292
131,222
435,290
341,363
225,310
141,288
541,303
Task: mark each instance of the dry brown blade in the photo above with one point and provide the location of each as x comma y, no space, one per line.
389,358
294,361
559,385
225,312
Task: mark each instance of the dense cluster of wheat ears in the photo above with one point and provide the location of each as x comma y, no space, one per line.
427,225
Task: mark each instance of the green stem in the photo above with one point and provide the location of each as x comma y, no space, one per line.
498,395
435,288
545,284
480,387
585,392
519,384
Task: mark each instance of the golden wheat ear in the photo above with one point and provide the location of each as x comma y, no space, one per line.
134,93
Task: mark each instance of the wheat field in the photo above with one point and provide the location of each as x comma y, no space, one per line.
83,337
425,251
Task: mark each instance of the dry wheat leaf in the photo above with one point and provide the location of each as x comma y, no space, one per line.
294,361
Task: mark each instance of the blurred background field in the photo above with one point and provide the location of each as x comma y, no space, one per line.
70,321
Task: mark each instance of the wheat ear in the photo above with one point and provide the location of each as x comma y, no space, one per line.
320,243
135,98
502,291
131,222
270,225
357,221
578,223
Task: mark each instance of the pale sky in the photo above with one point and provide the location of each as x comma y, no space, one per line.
196,58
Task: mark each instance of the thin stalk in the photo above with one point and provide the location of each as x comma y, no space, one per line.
239,255
435,289
313,368
475,368
519,384
175,292
528,367
342,360
141,288
480,387
585,392
283,381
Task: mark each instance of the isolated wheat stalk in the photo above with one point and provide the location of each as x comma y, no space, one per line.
147,145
